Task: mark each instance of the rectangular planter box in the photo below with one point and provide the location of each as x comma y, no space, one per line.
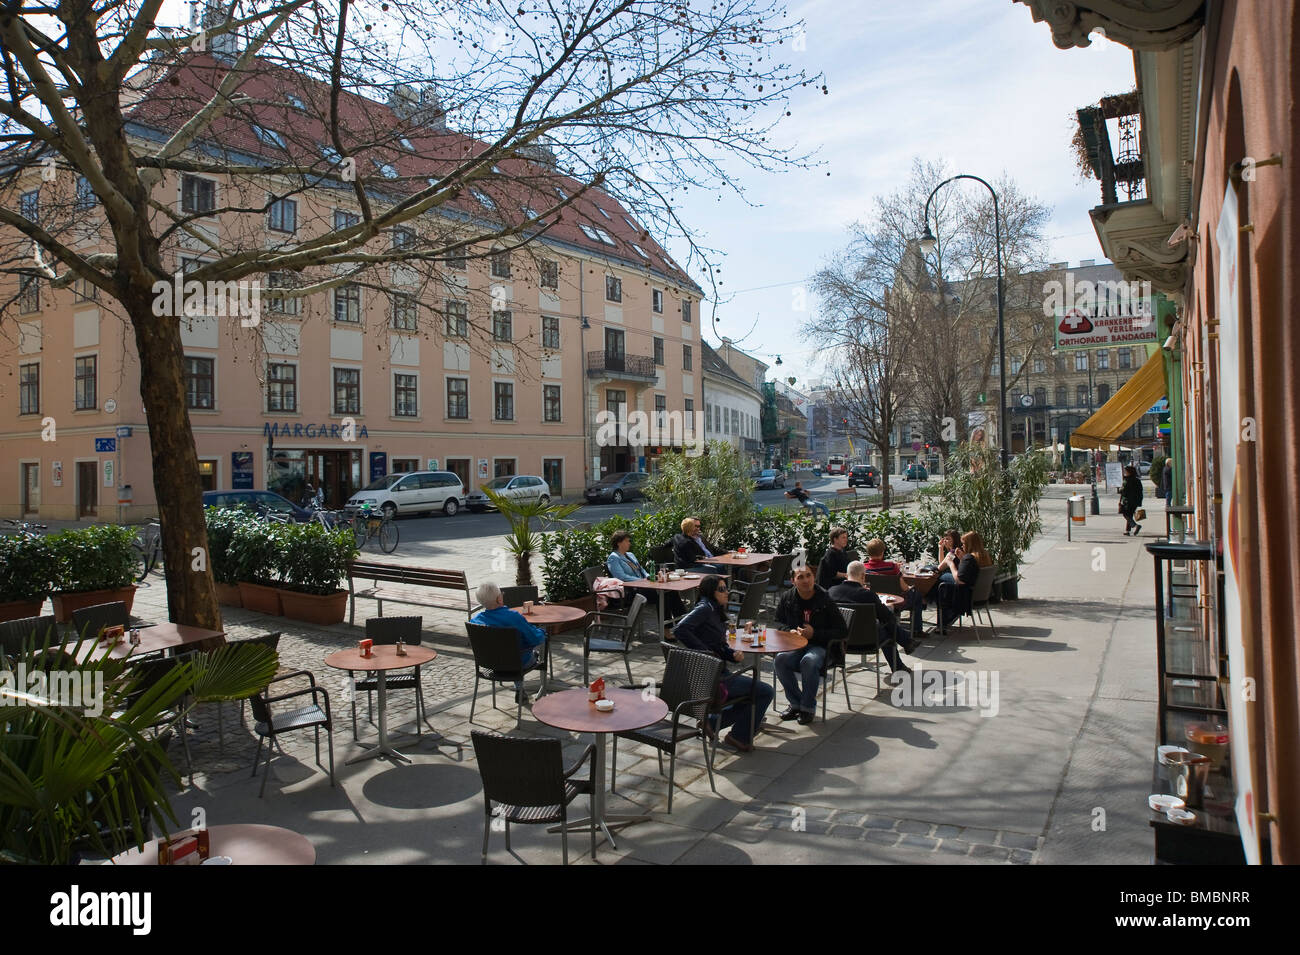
261,598
312,608
65,604
228,595
18,609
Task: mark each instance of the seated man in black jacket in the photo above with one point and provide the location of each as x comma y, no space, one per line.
854,591
690,549
835,564
705,629
809,609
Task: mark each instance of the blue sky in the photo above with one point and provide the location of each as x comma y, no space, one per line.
973,82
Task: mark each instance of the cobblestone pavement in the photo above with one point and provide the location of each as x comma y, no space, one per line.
877,781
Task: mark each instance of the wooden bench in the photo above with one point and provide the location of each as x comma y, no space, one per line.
441,589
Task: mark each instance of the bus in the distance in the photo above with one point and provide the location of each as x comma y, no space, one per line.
835,465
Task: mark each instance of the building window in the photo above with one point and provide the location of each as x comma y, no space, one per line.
86,197
347,390
281,387
406,312
405,404
550,332
503,326
501,265
657,300
268,137
1125,358
686,310
347,303
1103,360
29,294
84,371
282,306
457,319
457,262
1103,394
503,407
659,351
29,389
1060,396
283,216
613,289
1040,397
403,238
661,408
1016,365
198,195
200,383
550,273
84,290
550,402
686,358
29,205
1040,366
458,398
1081,361
690,414
995,368
345,220
1081,396
1060,363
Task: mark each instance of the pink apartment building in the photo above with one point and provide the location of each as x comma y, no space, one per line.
497,364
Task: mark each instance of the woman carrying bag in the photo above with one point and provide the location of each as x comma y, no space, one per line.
1130,501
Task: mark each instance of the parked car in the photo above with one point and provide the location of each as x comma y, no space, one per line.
413,492
864,475
260,502
768,478
917,472
521,486
1144,468
618,487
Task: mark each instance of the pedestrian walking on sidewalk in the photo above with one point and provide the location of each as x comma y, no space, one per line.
1130,500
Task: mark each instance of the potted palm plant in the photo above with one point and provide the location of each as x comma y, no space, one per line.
524,540
312,589
93,565
86,775
27,570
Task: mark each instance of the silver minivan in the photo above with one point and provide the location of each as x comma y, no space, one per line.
414,492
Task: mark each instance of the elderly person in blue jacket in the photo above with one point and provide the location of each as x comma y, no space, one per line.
495,613
705,629
623,565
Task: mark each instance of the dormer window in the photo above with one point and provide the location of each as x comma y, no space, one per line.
406,144
295,101
589,232
602,212
484,199
561,193
268,137
606,237
386,170
641,252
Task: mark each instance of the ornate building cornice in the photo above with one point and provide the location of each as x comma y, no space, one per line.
1138,24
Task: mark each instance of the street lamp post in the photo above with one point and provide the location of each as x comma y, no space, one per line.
928,244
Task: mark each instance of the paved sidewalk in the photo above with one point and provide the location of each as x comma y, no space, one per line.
1055,768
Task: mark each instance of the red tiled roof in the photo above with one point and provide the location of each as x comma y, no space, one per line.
370,132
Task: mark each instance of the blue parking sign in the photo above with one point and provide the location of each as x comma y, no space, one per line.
103,445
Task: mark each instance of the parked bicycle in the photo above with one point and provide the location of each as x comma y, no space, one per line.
370,523
148,549
330,520
10,524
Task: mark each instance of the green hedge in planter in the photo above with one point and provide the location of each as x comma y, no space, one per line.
101,557
27,567
256,553
316,558
223,523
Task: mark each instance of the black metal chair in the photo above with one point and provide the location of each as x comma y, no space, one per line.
272,642
18,636
749,595
89,621
977,596
589,575
663,556
272,720
496,659
690,689
612,633
386,631
885,584
148,673
527,782
836,659
778,574
864,633
515,596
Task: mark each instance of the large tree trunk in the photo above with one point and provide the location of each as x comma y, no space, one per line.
191,597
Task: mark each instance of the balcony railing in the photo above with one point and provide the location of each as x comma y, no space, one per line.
1124,168
605,364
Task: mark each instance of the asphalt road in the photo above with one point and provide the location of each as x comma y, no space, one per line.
491,524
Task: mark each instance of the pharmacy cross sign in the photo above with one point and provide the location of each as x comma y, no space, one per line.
1075,322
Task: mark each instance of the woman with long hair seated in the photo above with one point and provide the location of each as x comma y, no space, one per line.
965,562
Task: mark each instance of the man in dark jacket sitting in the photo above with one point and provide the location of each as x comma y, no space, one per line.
705,629
853,591
690,549
809,609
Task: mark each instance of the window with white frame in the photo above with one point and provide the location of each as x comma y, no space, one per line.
550,270
84,370
501,265
657,300
1081,361
200,383
406,312
503,326
503,401
457,324
405,395
281,387
458,398
347,390
347,303
198,195
282,306
550,332
550,402
613,289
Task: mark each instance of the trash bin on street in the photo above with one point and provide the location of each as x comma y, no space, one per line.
1077,515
